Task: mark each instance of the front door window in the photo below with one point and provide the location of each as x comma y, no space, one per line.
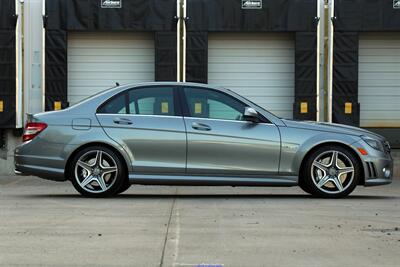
210,104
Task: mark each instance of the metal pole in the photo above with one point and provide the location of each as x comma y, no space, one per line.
18,60
184,2
331,4
43,58
178,41
318,60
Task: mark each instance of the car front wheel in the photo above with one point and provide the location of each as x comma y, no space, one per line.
97,172
331,171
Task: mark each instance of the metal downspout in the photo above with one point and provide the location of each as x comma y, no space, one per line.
331,8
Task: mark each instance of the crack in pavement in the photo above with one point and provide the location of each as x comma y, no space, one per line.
167,232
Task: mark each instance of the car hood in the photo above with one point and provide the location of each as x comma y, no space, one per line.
332,127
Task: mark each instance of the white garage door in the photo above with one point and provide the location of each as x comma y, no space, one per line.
379,80
96,61
257,66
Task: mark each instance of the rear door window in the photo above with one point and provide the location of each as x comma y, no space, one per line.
142,101
152,101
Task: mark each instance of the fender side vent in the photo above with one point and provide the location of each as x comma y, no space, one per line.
371,169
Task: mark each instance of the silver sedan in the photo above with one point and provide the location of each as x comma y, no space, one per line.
193,134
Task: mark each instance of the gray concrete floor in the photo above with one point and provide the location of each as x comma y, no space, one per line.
45,223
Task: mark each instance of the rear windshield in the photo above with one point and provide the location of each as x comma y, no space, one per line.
92,96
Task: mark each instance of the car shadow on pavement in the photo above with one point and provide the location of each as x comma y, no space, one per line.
210,196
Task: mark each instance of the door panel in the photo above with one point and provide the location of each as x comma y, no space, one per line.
224,147
147,122
221,141
157,144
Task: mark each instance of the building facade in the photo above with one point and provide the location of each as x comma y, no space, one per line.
366,65
269,51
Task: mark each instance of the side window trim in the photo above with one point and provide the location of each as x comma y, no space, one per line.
182,99
127,107
177,102
101,106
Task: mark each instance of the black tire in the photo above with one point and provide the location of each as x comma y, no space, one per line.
304,188
125,186
330,183
112,182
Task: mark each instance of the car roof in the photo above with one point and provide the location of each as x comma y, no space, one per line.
131,85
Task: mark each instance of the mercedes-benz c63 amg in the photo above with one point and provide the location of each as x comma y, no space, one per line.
193,134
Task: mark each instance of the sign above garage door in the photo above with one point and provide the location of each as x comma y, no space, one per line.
251,4
111,3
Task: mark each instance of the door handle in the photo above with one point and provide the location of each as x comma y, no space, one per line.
201,126
123,121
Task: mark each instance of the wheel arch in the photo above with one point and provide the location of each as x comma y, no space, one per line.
333,143
123,158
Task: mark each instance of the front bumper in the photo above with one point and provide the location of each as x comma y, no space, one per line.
378,171
377,181
377,164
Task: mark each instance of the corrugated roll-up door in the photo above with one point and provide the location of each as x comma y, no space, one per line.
379,80
96,61
258,66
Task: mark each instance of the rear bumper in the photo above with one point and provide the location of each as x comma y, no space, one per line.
39,158
42,172
49,168
18,173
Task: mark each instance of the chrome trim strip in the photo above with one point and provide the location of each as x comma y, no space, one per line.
138,115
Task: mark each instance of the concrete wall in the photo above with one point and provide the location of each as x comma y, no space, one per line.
7,154
396,157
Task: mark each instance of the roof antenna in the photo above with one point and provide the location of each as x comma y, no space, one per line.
117,83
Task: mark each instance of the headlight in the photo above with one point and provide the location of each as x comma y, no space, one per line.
376,144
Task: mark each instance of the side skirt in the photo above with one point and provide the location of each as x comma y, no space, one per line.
197,180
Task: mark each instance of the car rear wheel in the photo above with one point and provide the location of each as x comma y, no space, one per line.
331,172
97,172
304,188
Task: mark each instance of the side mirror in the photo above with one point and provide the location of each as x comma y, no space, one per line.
250,114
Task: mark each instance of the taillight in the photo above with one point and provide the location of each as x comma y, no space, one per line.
32,129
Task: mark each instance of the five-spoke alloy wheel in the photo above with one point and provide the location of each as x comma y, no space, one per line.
330,172
97,172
